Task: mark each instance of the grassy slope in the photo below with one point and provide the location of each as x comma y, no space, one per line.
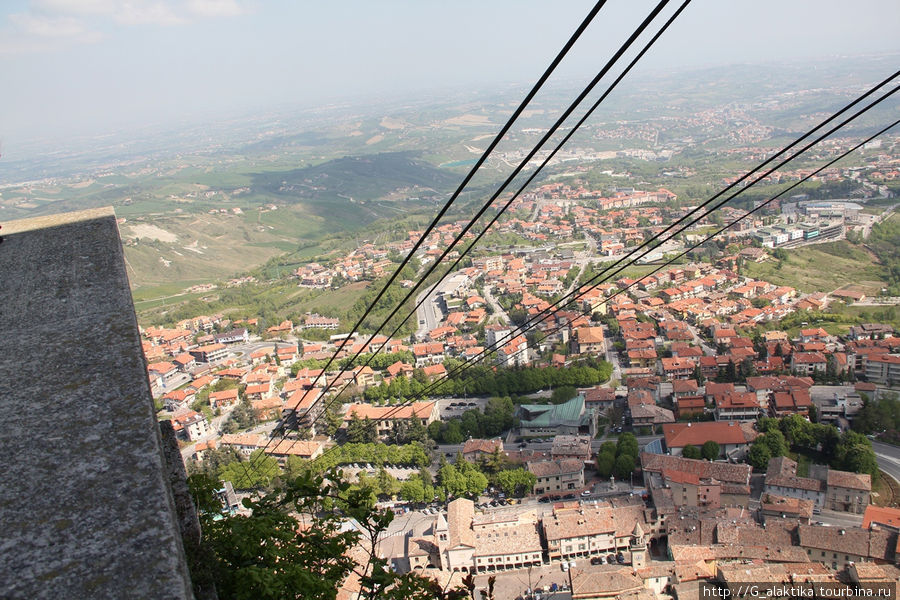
819,268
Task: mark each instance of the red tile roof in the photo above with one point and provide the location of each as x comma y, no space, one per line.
679,435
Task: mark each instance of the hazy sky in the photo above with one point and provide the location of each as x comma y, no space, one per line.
82,65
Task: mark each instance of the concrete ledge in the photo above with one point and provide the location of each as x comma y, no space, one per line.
46,221
86,507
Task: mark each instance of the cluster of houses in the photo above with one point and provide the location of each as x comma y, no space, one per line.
672,345
696,528
466,540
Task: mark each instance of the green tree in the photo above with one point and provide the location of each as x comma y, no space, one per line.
295,467
452,481
416,432
606,462
710,450
759,455
387,483
624,466
213,461
413,490
798,431
691,451
242,417
628,446
854,453
476,482
562,394
774,439
436,430
608,447
453,433
361,431
495,462
257,472
516,482
268,555
333,418
766,424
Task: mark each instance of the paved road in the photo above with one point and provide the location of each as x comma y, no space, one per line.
427,313
612,356
173,384
499,314
888,458
239,350
837,519
880,301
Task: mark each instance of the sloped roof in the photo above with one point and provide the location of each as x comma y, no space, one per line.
550,415
679,435
720,471
460,513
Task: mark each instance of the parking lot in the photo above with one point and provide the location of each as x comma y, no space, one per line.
399,473
455,407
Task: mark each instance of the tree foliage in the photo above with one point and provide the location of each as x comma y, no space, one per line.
848,451
361,431
624,466
266,554
516,482
627,445
606,462
483,380
877,416
257,472
691,451
759,456
413,455
242,417
496,418
854,453
618,458
710,450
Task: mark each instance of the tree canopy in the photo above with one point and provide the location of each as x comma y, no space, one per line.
292,544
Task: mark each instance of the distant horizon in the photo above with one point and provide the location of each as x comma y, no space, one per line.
38,144
76,66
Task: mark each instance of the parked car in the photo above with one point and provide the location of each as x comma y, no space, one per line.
596,560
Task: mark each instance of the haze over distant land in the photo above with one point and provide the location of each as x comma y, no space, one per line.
95,66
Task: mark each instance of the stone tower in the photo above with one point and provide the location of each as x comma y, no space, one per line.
638,547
